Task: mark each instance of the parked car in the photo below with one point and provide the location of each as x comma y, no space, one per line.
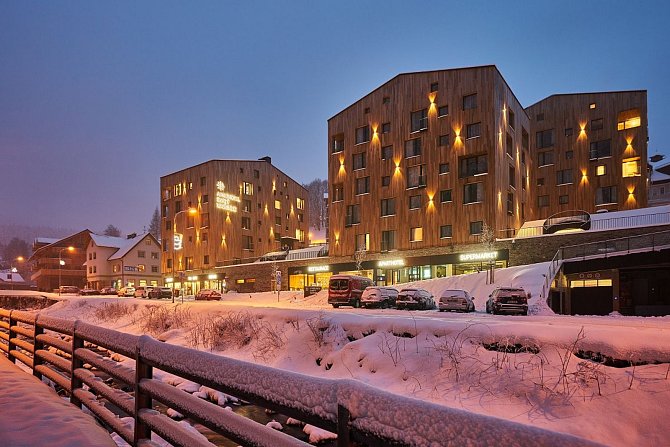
456,299
160,292
376,296
346,290
508,300
126,291
209,294
108,291
415,299
142,291
89,292
69,290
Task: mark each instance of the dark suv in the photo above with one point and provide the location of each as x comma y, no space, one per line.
508,300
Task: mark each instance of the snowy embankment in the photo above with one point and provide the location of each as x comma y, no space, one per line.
526,369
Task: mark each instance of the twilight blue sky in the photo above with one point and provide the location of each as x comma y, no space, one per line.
99,99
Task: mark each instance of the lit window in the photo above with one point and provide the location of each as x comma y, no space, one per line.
631,167
300,235
248,189
592,105
629,123
300,203
601,170
363,242
277,204
416,234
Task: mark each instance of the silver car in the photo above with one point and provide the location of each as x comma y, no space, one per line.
376,296
415,299
456,299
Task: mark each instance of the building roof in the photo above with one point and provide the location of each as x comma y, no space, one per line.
46,240
584,94
129,244
58,243
16,278
659,177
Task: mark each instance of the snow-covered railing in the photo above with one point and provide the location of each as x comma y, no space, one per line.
359,414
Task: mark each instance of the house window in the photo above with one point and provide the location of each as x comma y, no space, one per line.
443,140
601,170
511,119
631,167
205,259
205,237
416,234
545,158
470,102
154,255
416,176
387,152
568,131
337,144
544,138
386,180
509,144
476,165
168,264
442,111
359,160
257,173
523,182
476,227
569,155
473,130
338,193
363,134
511,173
168,225
386,100
188,263
599,149
203,181
177,206
564,177
597,124
444,168
540,181
542,201
415,202
419,120
247,242
592,105
353,216
205,198
445,196
204,220
628,119
388,207
300,235
434,86
363,242
246,223
141,254
248,189
277,204
413,148
301,217
386,128
606,195
299,203
246,205
510,203
563,200
278,220
362,185
445,231
473,193
524,138
388,240
366,110
154,269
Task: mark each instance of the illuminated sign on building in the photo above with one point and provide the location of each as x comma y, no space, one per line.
177,243
391,263
482,256
225,201
318,268
212,276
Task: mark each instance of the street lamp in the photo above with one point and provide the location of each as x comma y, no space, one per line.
192,212
13,270
61,263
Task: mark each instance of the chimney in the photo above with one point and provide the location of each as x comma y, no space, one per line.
131,236
266,158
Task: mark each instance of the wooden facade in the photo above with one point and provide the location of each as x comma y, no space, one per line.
590,150
243,209
394,114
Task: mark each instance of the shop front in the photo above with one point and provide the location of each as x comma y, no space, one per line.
192,284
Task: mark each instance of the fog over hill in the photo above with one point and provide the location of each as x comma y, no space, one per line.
28,233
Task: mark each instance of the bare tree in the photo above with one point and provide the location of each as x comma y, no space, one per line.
316,190
488,239
359,257
111,230
155,224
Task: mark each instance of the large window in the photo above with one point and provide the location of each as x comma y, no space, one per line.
247,243
388,240
416,234
473,193
338,192
599,149
248,189
564,177
470,102
445,196
542,201
353,215
544,138
511,118
388,207
476,165
597,124
445,231
246,223
629,119
387,152
473,130
510,203
509,145
605,195
337,144
476,227
363,241
413,148
359,161
419,120
415,202
363,134
362,185
631,167
545,158
416,176
512,176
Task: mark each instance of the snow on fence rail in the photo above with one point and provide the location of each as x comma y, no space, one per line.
58,349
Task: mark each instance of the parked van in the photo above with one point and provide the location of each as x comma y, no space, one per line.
346,290
376,296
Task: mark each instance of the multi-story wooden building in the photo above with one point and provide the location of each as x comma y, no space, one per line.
426,161
225,212
590,152
57,262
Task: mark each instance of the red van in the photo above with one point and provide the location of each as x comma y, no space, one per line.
346,290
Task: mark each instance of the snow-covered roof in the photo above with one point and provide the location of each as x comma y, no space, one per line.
4,276
129,245
109,241
46,240
657,177
291,255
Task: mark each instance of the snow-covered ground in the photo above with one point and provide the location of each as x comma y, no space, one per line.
465,361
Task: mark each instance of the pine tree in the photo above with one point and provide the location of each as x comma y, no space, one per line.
155,224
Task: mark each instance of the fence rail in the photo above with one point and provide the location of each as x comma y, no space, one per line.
58,350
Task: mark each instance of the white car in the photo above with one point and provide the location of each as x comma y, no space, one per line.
456,299
142,291
419,299
126,291
375,296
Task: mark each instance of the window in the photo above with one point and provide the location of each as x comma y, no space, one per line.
247,242
510,203
168,264
338,193
413,148
277,204
204,220
592,105
337,144
512,176
568,131
564,177
362,185
597,124
366,110
300,235
470,102
434,86
363,134
203,181
545,158
248,189
166,211
476,227
416,176
631,167
246,223
523,157
386,127
278,221
473,130
141,267
301,217
246,206
177,206
523,182
443,140
386,180
473,193
387,152
299,203
444,168
388,207
509,145
540,181
154,269
542,201
205,237
416,234
445,231
188,263
563,200
445,196
257,173
415,202
606,195
388,240
524,138
359,161
353,215
363,242
168,225
141,254
599,149
628,119
476,165
601,170
569,155
544,138
205,259
386,100
442,111
419,120
510,121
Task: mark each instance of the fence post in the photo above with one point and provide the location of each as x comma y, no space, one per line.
38,345
142,400
11,346
343,417
75,364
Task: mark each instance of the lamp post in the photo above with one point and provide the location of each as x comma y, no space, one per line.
61,263
191,211
13,270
